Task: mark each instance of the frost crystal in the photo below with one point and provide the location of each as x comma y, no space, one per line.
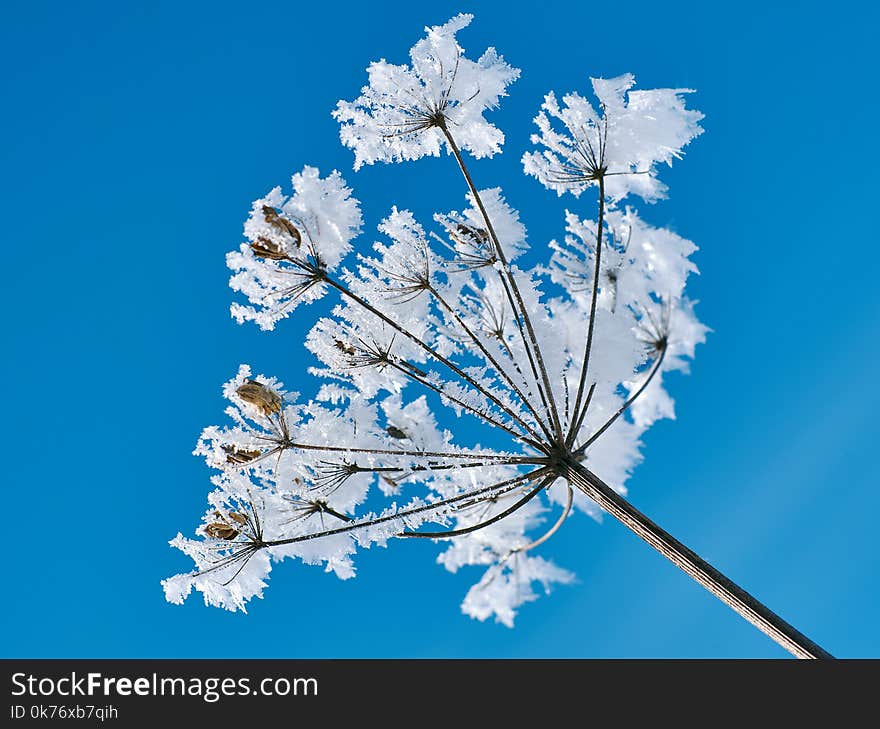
290,243
401,113
621,143
563,366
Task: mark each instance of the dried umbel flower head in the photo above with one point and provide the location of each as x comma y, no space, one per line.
403,112
264,399
291,242
563,363
543,359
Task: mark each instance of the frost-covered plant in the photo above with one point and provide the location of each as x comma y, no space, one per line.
563,362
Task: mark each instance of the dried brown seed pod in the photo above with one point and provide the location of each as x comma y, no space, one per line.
281,223
221,530
396,432
393,483
238,518
463,233
266,400
265,248
239,456
343,347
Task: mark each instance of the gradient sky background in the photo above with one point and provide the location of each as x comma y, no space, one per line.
133,140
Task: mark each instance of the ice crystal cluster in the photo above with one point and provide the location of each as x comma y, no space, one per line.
564,359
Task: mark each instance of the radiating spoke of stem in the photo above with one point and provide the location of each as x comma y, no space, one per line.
691,563
488,522
577,415
403,513
488,355
623,408
474,411
569,500
501,457
345,291
520,311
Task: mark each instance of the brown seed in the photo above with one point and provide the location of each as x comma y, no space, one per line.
476,235
281,223
343,347
221,530
396,432
267,401
239,456
265,248
238,518
391,482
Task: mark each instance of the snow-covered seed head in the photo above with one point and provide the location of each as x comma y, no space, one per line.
371,354
653,328
472,245
556,361
291,243
404,111
264,399
621,143
331,475
304,508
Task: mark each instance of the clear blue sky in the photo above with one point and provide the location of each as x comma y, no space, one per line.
133,140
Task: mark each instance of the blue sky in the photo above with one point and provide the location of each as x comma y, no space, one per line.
134,139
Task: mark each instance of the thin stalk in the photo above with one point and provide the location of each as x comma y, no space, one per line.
483,524
691,563
509,352
356,468
623,408
576,426
431,351
520,306
488,355
569,500
576,415
504,459
522,334
356,525
537,444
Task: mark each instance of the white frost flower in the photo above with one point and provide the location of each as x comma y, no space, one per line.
620,144
290,243
507,586
403,111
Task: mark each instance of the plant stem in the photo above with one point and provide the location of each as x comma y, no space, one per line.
691,563
655,368
363,303
508,279
577,415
